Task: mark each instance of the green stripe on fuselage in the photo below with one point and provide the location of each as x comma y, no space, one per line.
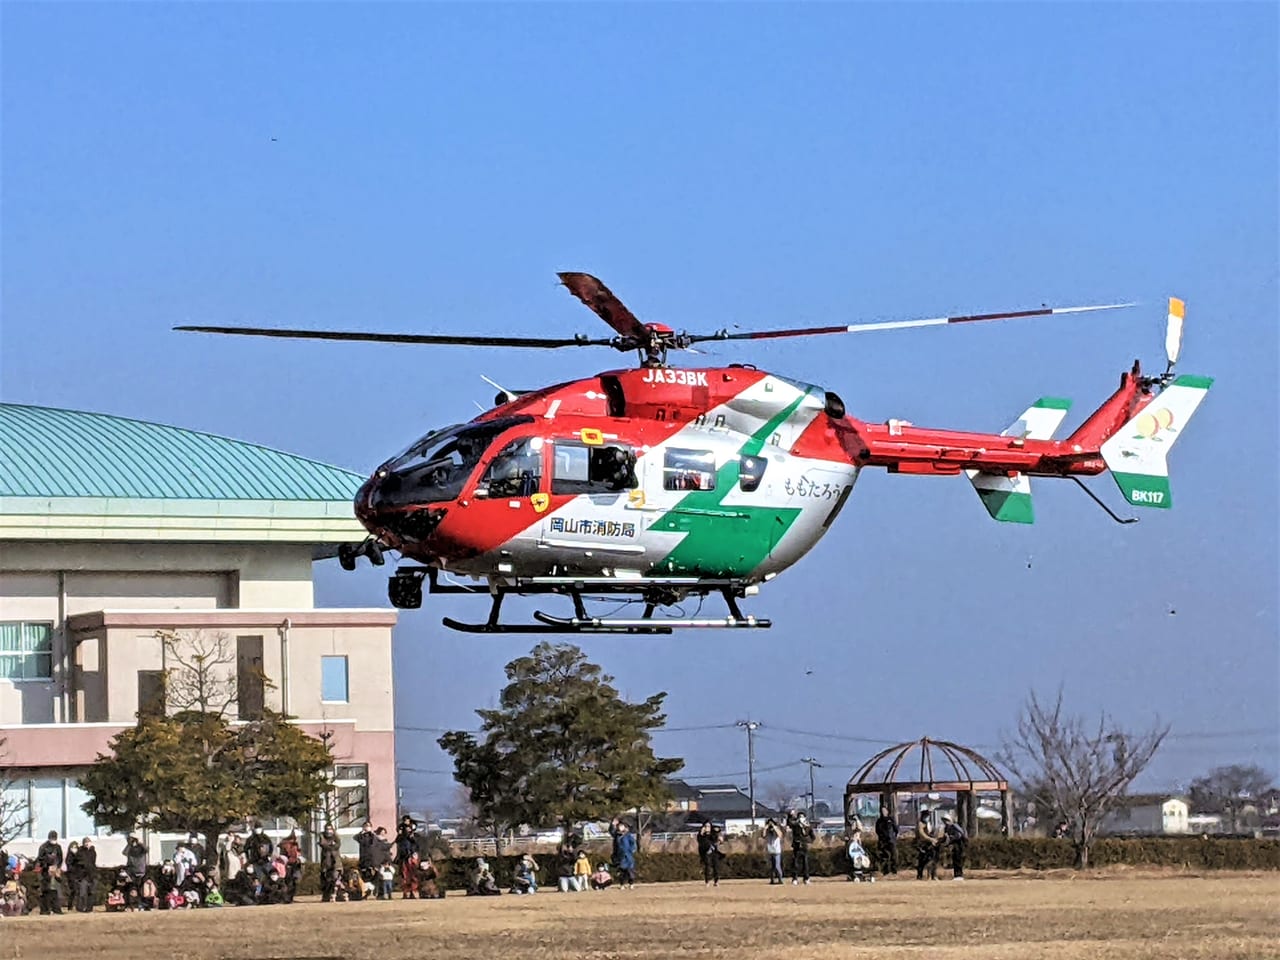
717,544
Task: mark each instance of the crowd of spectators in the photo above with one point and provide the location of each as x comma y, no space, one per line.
244,870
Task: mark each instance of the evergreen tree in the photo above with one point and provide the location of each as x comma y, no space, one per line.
562,746
197,773
186,768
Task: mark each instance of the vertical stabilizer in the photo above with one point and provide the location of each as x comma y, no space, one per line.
1137,454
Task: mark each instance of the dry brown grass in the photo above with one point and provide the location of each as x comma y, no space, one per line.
1108,915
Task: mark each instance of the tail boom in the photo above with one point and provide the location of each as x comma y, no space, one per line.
1121,435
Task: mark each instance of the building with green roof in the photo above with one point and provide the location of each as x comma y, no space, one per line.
115,533
70,475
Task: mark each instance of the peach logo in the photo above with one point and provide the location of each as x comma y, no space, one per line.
540,502
1149,424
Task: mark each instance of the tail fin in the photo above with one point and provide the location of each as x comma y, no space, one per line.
1007,497
1137,453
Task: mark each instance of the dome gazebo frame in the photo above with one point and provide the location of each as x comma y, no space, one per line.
961,771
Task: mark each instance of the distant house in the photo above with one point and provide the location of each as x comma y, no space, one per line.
722,803
1147,814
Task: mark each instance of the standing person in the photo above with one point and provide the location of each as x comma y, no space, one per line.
927,840
260,849
407,855
49,863
709,852
802,835
198,851
330,845
887,842
135,863
184,865
86,886
292,853
624,853
581,871
957,839
773,849
366,843
382,857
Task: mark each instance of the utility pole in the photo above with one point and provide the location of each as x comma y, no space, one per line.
812,802
751,726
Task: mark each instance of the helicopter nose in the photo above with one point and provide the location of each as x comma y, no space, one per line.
381,507
364,502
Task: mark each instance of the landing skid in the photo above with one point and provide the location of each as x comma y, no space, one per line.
654,592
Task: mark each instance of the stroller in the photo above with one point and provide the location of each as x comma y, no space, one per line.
860,870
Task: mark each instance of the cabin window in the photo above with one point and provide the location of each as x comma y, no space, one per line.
750,473
581,468
689,470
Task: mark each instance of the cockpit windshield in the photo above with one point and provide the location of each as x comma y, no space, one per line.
436,467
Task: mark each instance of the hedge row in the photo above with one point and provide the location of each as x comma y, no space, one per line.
983,854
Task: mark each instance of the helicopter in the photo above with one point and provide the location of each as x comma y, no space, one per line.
660,485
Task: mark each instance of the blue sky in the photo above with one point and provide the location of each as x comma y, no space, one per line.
429,168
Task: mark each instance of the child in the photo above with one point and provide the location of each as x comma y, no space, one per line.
601,879
581,871
386,876
428,887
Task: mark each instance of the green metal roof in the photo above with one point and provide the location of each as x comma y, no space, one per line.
45,452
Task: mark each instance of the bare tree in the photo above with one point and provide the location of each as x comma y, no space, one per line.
1230,791
15,814
200,671
780,795
1082,768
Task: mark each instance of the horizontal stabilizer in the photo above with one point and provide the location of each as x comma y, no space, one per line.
1137,454
1007,497
1040,420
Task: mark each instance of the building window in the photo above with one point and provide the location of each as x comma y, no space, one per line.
26,651
349,802
151,693
250,679
333,679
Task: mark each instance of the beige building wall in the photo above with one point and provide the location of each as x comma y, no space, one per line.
50,581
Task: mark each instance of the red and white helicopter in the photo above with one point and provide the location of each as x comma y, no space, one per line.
660,484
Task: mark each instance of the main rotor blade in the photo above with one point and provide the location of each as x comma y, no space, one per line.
427,338
900,324
604,304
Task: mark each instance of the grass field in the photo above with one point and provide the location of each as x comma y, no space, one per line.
1105,916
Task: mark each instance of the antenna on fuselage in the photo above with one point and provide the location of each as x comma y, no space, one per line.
504,395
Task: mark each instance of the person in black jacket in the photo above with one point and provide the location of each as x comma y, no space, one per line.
49,863
135,863
87,889
407,856
259,849
957,839
330,862
709,852
802,834
887,842
381,857
367,843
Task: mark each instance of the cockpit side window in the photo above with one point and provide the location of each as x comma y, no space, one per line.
437,467
581,468
516,471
